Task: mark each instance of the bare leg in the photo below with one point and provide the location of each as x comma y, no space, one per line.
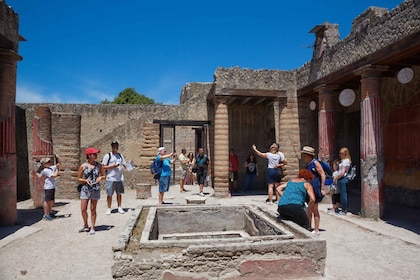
119,198
309,213
83,208
270,192
181,185
161,197
93,203
317,217
109,201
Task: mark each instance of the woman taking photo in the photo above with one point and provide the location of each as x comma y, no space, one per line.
275,160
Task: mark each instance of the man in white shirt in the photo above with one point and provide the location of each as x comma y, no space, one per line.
113,164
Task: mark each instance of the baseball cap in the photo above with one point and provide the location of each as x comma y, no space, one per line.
92,151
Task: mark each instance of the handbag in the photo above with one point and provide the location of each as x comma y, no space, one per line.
79,187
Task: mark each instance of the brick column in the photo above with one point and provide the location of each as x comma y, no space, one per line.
8,185
371,141
220,160
41,147
65,130
326,124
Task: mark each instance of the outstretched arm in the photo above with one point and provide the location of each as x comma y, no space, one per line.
263,155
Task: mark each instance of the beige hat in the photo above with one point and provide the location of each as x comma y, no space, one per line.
308,150
45,160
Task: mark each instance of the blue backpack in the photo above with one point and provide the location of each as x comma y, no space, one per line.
156,168
326,167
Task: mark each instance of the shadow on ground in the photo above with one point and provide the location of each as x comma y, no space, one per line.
28,217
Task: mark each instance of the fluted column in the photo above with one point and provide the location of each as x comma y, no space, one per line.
221,148
371,141
326,123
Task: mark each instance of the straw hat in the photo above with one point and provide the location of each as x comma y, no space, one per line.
44,160
308,150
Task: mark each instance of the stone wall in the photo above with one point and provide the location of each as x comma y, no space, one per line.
373,30
78,126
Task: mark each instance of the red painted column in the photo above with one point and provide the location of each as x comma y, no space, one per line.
8,182
326,124
371,141
220,170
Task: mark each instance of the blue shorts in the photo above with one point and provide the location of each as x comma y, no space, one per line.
164,183
273,176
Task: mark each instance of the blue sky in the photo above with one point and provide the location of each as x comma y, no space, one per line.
88,51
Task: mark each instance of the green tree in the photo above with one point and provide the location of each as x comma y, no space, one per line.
130,96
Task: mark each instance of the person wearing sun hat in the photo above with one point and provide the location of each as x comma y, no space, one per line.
165,176
318,184
50,171
90,175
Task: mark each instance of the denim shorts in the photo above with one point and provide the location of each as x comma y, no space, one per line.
90,193
164,183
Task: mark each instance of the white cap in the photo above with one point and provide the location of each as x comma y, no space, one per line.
161,149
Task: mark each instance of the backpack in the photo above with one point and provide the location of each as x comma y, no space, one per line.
156,168
326,167
109,157
352,173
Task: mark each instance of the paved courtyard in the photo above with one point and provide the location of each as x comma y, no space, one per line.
357,248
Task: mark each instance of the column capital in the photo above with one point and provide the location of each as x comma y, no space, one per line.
9,55
371,71
325,89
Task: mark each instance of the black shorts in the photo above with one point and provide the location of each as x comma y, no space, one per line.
336,198
49,194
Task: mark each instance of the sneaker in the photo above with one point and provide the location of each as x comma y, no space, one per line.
91,232
330,211
83,229
342,213
269,203
120,210
47,218
183,190
315,232
108,211
201,194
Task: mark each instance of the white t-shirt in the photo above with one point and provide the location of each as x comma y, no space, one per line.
50,182
274,159
345,162
114,174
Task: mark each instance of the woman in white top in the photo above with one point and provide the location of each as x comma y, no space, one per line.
276,160
341,179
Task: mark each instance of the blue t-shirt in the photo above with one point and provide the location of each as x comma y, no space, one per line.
294,193
166,167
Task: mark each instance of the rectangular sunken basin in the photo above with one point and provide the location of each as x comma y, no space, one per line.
181,226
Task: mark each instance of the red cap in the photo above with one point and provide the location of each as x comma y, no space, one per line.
92,151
